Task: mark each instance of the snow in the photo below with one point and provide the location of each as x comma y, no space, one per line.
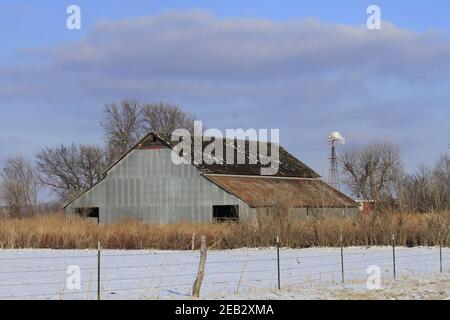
313,273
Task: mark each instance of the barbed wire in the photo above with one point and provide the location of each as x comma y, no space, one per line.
162,264
93,255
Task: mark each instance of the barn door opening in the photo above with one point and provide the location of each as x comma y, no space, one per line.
225,213
91,213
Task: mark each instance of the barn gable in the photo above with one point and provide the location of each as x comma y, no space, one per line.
147,186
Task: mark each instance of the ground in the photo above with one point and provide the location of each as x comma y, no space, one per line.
430,287
313,273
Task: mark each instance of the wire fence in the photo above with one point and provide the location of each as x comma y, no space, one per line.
113,274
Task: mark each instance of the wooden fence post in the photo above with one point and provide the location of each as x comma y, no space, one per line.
201,268
193,241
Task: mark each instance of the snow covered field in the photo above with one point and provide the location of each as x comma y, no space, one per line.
313,273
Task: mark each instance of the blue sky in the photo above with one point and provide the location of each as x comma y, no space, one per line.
305,67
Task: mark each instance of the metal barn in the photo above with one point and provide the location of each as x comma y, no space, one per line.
145,184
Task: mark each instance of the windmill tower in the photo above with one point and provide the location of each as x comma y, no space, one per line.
333,177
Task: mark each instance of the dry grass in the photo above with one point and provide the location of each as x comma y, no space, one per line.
54,231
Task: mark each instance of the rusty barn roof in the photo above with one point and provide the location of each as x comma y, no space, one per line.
272,191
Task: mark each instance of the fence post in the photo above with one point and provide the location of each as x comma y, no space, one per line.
393,255
201,268
278,262
193,241
342,259
98,271
440,256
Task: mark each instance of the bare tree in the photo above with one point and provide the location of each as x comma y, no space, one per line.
442,171
371,171
19,187
123,126
164,118
127,122
428,189
442,176
69,170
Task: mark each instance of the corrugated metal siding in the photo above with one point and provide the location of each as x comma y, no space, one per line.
146,185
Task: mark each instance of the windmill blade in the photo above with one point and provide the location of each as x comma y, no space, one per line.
335,137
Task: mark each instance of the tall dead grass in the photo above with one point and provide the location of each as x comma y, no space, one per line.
55,231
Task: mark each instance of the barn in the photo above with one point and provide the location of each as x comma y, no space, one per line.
145,184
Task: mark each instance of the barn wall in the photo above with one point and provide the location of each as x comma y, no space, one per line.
307,213
337,212
146,185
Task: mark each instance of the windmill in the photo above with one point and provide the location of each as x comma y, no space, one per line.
333,178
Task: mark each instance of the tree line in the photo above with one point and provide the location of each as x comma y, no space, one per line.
373,171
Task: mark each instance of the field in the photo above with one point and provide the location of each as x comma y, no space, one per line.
56,232
313,273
